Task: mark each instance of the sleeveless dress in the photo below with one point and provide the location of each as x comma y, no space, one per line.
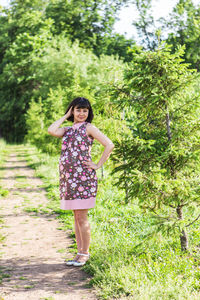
78,183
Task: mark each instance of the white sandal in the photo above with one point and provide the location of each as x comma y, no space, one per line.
79,264
71,262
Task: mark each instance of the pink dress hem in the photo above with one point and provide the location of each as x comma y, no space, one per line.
75,204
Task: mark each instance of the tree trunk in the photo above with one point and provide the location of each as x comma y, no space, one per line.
183,235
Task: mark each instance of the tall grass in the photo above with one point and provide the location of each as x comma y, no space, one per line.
4,152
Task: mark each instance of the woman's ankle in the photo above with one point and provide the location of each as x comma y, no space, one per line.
81,250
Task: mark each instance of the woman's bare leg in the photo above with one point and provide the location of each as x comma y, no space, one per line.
77,234
81,217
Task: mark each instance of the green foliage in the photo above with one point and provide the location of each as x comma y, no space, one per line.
183,26
17,78
65,72
38,119
116,44
145,24
159,161
33,57
91,22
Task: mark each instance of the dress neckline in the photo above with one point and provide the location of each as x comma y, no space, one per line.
77,125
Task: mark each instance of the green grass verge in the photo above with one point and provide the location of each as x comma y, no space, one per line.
4,153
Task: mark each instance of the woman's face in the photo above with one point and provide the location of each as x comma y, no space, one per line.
80,114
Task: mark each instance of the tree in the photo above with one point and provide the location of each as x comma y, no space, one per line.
145,25
183,26
27,29
17,83
116,44
159,162
91,22
24,33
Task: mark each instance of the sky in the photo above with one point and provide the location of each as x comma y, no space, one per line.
160,8
3,2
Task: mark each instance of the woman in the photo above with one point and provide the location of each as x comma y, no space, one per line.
78,181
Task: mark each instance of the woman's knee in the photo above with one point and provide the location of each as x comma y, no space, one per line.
81,217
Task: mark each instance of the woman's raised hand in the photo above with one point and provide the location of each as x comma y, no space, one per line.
69,113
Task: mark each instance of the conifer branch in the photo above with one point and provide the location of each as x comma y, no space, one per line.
193,221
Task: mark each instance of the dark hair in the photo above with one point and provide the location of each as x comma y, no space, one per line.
81,102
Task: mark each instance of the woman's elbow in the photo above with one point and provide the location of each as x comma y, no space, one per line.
110,146
50,132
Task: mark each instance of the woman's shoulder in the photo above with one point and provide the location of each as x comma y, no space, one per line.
89,125
92,130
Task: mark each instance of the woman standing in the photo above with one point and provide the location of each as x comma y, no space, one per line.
78,180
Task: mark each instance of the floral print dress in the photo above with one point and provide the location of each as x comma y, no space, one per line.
78,183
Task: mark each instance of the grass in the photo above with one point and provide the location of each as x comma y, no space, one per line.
3,154
28,287
3,193
47,298
124,262
22,278
3,275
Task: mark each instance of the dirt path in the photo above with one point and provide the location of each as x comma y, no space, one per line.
33,252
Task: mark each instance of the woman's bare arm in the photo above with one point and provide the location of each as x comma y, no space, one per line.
105,141
54,128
